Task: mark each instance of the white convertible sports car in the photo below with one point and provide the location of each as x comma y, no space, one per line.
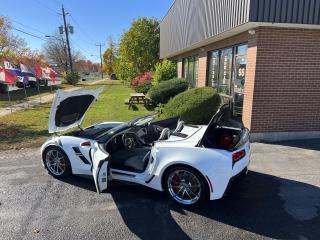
191,163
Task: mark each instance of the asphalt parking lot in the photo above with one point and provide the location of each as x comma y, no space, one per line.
280,198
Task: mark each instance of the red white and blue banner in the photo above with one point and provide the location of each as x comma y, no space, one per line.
58,75
2,77
45,72
11,74
26,73
38,70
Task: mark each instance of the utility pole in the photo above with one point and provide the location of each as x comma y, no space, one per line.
100,45
66,30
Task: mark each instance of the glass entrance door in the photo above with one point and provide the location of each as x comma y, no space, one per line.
227,73
240,64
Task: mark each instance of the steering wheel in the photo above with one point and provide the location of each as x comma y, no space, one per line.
128,140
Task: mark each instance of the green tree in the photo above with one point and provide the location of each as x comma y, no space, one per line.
9,43
109,57
138,48
165,70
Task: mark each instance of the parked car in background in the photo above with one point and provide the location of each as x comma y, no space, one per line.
113,76
191,163
27,81
42,82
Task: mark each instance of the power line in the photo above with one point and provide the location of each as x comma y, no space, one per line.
83,32
26,26
47,7
76,44
30,34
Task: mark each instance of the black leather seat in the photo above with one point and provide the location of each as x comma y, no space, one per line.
135,160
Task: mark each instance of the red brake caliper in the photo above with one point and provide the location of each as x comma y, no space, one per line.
176,181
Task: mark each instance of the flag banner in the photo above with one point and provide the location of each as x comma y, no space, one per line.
38,70
58,75
10,73
52,73
2,78
26,73
45,73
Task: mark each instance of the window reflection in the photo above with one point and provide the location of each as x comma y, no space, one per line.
227,72
190,70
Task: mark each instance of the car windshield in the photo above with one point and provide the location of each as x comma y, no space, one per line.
142,120
104,137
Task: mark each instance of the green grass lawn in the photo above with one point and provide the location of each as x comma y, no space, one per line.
29,127
18,96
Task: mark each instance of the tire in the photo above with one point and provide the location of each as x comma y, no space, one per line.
183,189
56,162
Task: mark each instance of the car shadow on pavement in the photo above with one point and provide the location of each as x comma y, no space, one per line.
261,204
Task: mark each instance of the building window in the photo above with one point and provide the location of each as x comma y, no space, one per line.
226,73
213,69
240,60
190,70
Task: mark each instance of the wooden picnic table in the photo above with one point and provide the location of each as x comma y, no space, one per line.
135,98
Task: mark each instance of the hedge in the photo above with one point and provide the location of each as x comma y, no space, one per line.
143,88
162,92
195,106
165,71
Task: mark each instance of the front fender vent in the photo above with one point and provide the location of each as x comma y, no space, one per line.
80,155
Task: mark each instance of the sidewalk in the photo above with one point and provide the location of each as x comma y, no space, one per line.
35,102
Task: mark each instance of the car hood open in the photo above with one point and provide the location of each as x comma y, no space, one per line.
68,108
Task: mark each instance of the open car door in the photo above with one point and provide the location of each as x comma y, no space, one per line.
100,168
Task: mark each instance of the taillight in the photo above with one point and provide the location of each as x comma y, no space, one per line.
86,144
238,155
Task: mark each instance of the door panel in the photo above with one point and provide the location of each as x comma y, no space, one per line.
100,175
239,79
100,168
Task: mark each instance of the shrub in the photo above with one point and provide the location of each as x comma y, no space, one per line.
195,106
142,83
143,88
141,79
162,92
165,70
72,78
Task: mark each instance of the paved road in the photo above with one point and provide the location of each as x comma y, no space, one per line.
280,198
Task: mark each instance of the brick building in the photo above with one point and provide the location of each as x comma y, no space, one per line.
263,56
